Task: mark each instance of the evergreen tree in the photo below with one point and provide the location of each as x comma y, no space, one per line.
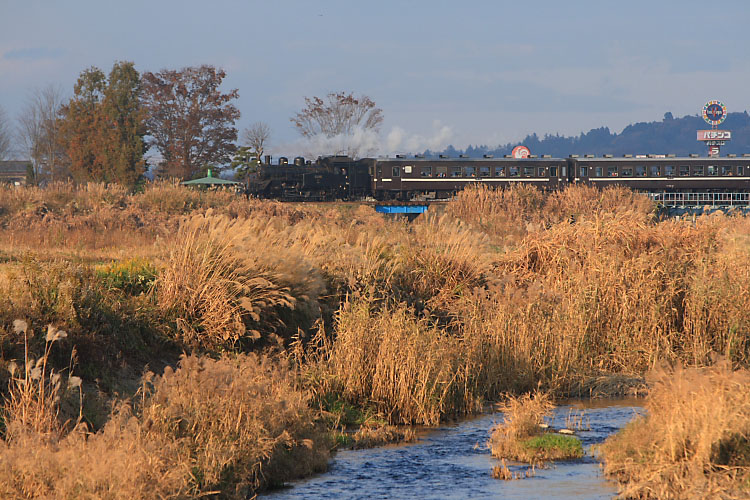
103,127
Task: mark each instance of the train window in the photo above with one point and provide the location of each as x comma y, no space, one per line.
684,171
499,171
470,171
597,171
698,171
611,171
528,171
484,171
669,170
541,172
584,171
627,171
726,170
564,171
441,172
455,171
655,171
640,171
513,171
739,170
713,170
425,171
553,171
396,171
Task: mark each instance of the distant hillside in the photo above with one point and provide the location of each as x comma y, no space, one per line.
671,135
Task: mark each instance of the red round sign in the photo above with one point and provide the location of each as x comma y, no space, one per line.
520,152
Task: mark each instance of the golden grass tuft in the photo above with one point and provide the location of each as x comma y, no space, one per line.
405,368
226,427
694,440
507,215
224,284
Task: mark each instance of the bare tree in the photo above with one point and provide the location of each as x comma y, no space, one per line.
341,116
256,138
40,133
5,135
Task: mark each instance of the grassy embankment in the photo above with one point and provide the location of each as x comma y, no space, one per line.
330,316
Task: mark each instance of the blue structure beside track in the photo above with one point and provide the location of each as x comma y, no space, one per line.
401,209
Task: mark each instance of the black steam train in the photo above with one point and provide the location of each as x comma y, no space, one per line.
418,178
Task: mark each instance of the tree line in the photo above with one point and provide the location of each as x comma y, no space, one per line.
103,132
674,135
181,117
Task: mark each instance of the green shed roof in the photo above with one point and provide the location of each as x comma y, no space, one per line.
208,180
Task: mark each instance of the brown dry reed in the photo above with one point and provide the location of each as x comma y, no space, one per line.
224,281
224,428
693,441
408,370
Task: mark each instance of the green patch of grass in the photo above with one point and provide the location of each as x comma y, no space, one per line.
132,276
552,446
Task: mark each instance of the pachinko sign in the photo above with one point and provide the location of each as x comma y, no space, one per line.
714,113
520,152
714,135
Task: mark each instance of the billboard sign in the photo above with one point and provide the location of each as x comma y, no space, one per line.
714,113
714,135
520,152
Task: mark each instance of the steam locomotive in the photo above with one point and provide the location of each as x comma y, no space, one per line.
417,178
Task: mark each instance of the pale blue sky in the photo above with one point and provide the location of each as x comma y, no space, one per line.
458,72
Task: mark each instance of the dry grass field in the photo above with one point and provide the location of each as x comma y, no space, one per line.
302,320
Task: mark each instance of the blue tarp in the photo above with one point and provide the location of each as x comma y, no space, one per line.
401,209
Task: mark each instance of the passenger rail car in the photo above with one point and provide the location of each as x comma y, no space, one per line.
403,178
665,173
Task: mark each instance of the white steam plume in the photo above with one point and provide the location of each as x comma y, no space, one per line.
399,141
366,142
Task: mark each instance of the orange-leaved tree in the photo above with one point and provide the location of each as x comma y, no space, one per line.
190,121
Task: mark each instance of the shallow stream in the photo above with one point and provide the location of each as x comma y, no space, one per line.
453,462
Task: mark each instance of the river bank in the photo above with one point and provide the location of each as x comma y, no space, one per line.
453,462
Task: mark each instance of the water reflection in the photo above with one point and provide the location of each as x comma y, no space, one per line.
452,462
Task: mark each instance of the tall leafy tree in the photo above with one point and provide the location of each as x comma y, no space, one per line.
190,121
126,127
103,126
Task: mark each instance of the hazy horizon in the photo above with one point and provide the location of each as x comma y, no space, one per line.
476,73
